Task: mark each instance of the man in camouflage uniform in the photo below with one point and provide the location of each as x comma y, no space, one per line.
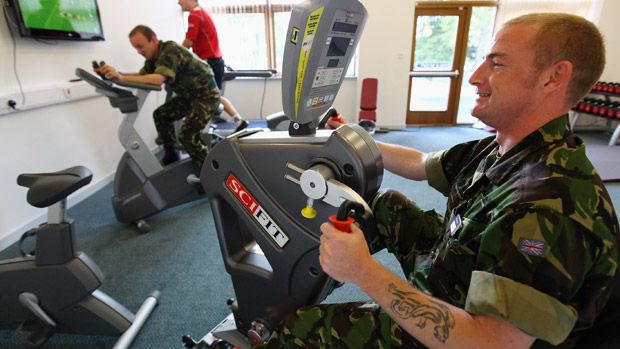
191,79
528,247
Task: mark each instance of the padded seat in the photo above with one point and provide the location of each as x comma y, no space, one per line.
46,189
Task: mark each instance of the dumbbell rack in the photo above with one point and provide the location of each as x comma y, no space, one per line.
608,107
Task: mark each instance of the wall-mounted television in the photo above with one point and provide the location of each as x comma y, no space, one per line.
57,19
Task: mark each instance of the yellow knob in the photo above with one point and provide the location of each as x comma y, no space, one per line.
308,212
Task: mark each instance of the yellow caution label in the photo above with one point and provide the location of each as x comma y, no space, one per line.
295,35
311,26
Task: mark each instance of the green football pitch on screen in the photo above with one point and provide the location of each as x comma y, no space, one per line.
72,15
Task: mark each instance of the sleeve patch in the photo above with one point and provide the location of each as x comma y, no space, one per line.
532,247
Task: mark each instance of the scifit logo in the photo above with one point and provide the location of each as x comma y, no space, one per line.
259,214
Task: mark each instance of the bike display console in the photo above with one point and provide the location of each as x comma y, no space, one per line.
321,41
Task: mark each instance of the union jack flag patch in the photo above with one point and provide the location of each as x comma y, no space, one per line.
532,247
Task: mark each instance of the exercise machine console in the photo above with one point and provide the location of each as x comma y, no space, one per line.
270,191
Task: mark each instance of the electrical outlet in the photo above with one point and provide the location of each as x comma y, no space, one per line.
45,96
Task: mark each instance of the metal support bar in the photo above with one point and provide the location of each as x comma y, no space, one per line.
141,316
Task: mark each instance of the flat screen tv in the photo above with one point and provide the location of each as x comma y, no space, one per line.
57,19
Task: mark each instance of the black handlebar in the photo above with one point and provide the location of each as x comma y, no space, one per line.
93,80
148,87
350,208
231,74
106,85
119,98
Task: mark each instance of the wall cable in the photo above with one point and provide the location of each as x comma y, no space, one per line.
19,82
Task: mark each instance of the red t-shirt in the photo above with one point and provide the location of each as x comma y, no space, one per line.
201,30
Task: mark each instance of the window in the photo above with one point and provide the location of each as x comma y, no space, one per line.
252,32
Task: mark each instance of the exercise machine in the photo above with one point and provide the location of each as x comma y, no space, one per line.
232,74
214,133
270,191
55,288
142,185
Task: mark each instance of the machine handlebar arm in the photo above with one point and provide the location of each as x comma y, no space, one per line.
140,86
105,85
231,74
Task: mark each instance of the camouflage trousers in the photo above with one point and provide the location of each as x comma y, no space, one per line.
197,113
406,231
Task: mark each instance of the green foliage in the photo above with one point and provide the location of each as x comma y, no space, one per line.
435,38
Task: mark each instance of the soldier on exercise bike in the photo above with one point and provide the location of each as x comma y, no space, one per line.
191,79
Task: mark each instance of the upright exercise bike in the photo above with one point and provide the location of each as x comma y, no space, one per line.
56,288
270,191
142,185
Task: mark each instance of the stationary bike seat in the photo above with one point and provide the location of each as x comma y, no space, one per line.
46,189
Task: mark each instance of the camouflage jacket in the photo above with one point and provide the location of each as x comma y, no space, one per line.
530,236
187,75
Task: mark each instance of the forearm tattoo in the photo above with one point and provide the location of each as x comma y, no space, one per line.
407,307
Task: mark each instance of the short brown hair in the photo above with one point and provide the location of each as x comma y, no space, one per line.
144,30
562,36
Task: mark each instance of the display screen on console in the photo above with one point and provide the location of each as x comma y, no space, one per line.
338,47
333,63
344,27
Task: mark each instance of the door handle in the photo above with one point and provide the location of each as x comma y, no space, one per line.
434,74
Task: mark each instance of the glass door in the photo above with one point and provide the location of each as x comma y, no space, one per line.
448,43
435,69
478,42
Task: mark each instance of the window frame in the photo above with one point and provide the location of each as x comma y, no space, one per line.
268,10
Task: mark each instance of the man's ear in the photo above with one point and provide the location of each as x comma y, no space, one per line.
558,75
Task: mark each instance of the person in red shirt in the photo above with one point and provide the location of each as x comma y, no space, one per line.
202,38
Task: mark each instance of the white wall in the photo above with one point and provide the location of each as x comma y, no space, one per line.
609,25
385,53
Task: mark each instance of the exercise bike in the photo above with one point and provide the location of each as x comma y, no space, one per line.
142,185
271,191
56,288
